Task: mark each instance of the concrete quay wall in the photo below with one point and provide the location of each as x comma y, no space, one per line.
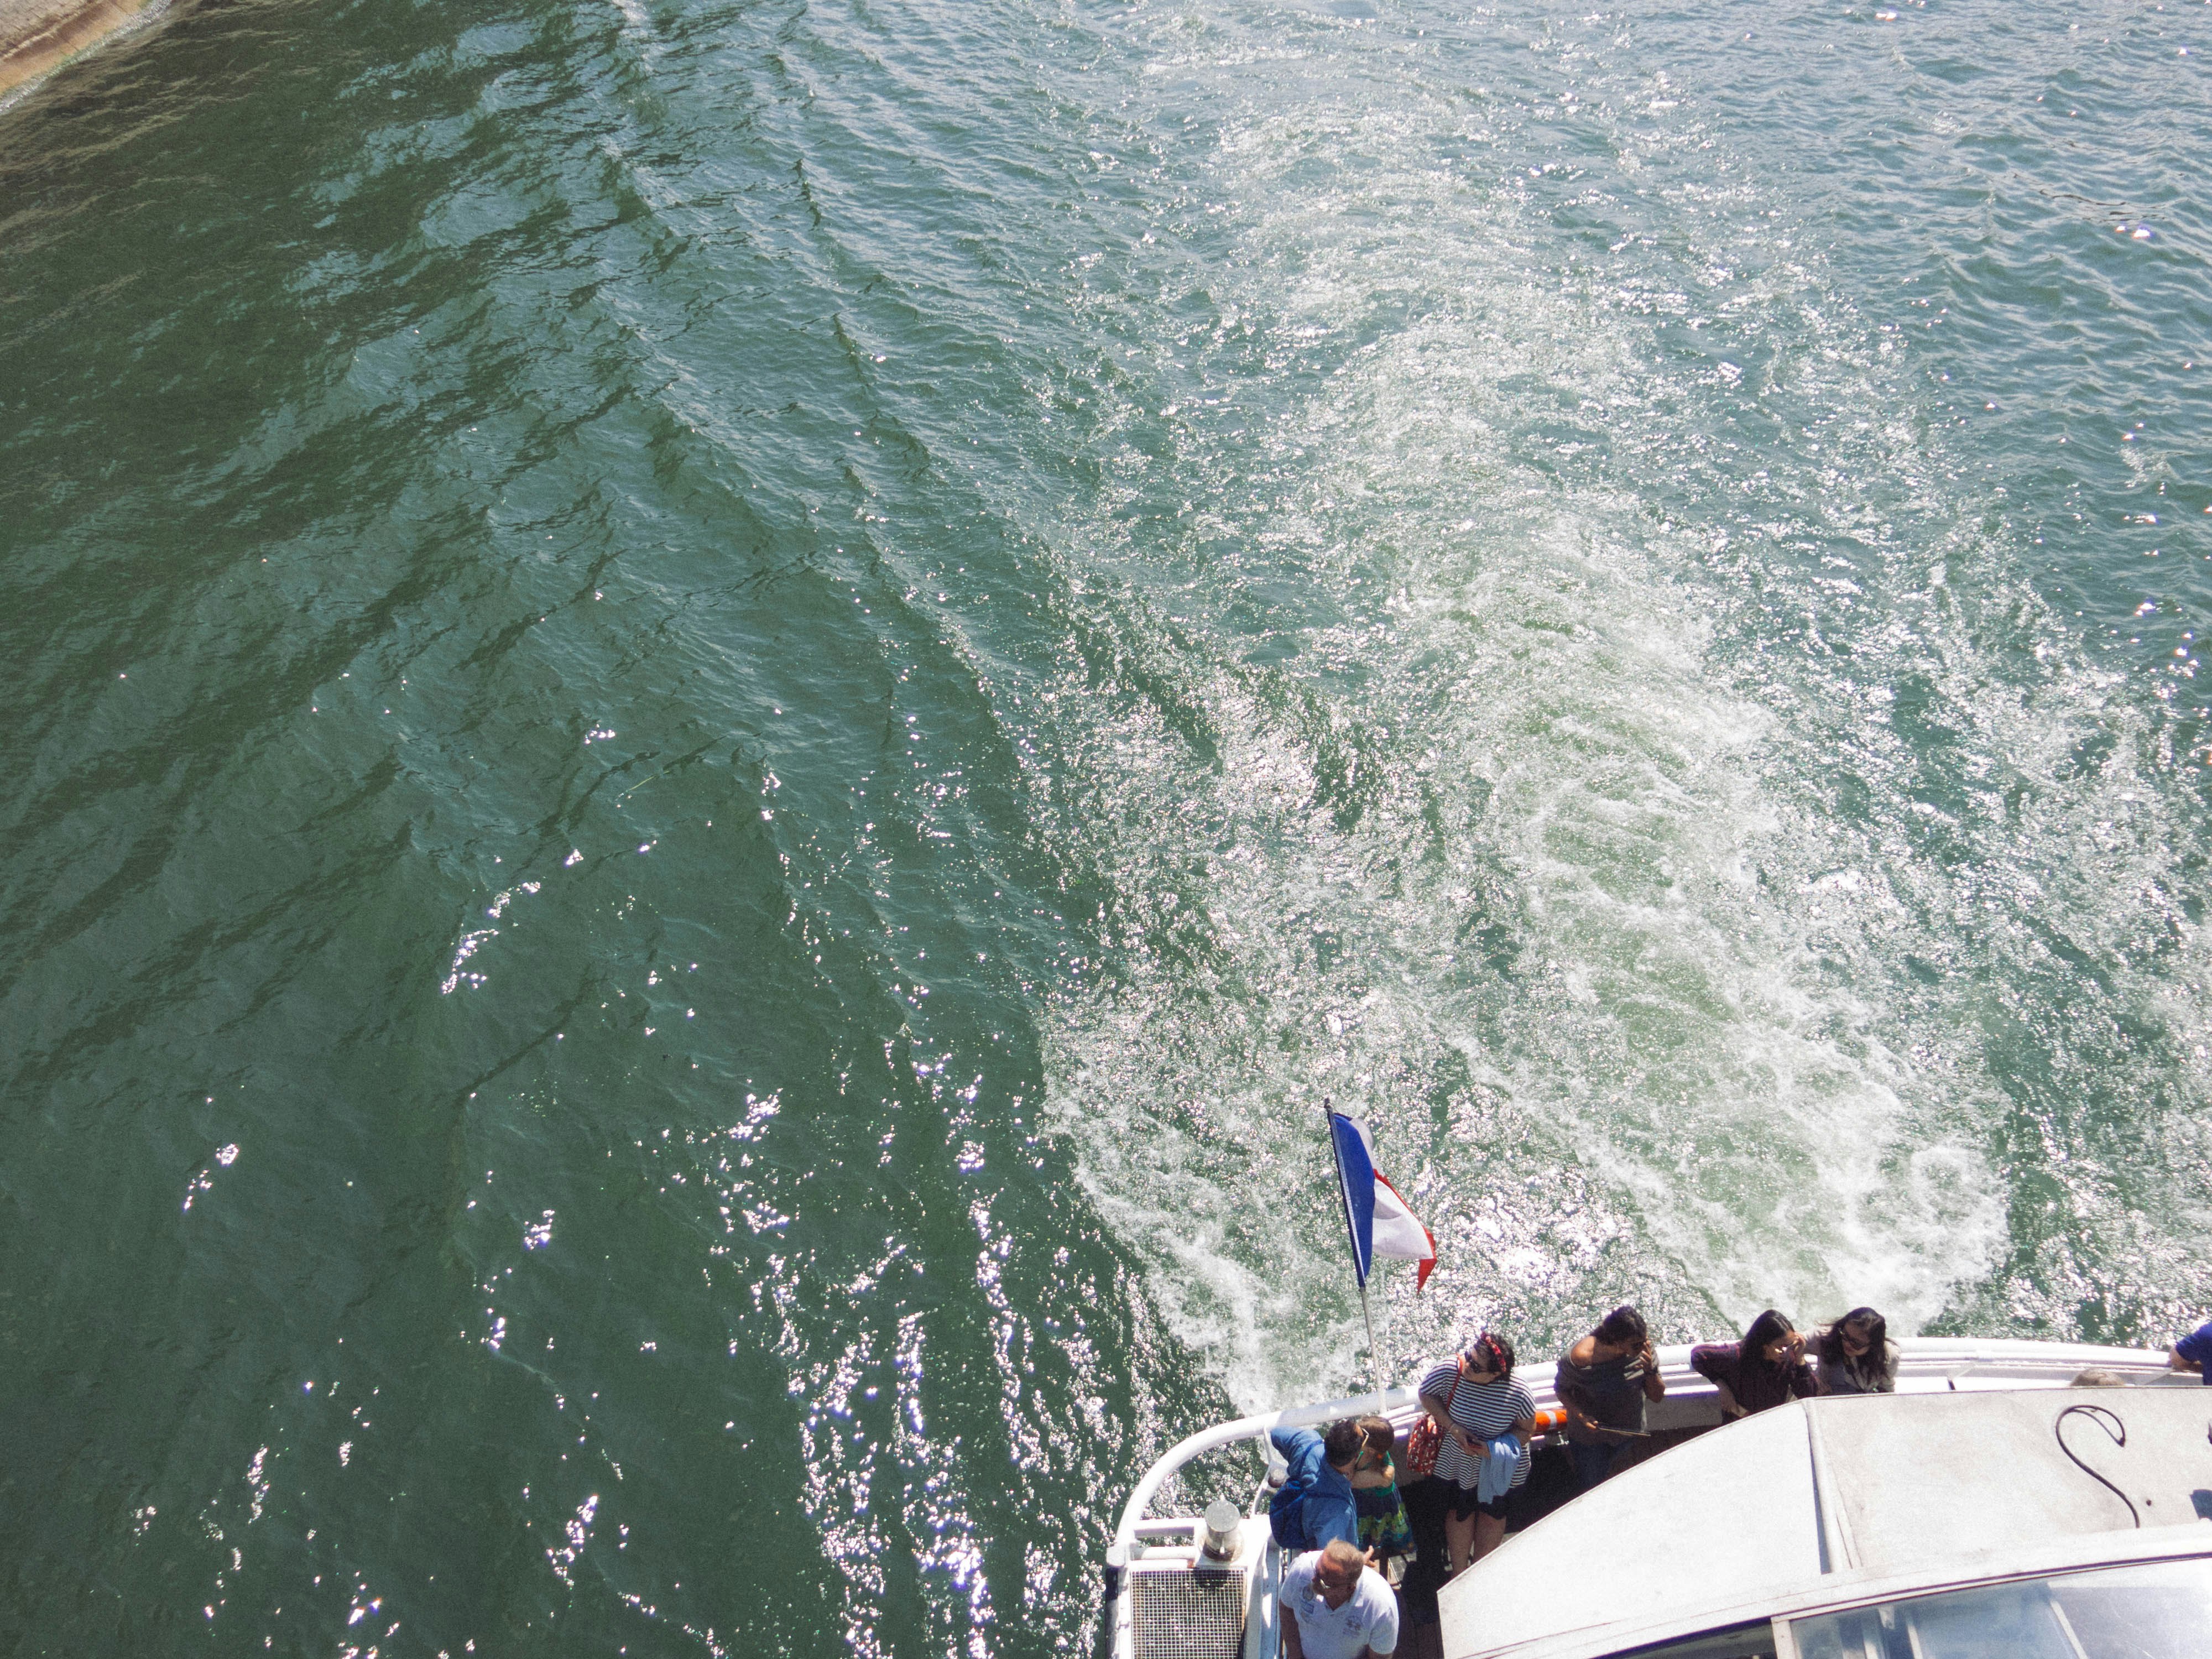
37,35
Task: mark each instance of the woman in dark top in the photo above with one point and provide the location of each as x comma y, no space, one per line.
1766,1370
1855,1355
1604,1381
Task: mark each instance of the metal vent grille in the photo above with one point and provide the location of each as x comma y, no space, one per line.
1182,1614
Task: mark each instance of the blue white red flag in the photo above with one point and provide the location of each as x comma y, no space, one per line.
1381,1223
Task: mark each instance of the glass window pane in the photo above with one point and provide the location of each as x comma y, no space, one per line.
2160,1610
1865,1633
2157,1611
2014,1620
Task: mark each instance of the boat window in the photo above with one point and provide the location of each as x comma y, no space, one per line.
2125,1612
2156,1611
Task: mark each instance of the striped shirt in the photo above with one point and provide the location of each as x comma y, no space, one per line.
1484,1409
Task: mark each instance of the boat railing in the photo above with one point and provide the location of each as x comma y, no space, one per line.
1924,1365
1399,1404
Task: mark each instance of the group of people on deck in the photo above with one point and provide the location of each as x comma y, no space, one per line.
1342,1511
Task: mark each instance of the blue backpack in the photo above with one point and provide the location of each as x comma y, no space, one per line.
1286,1517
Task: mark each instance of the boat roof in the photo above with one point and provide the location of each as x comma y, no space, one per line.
1810,1502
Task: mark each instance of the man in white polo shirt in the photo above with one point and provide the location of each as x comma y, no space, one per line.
1337,1607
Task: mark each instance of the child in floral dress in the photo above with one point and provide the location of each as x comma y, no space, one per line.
1384,1526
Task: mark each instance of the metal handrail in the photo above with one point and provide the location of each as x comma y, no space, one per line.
1228,1434
1925,1358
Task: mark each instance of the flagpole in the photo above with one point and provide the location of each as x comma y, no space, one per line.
1373,1353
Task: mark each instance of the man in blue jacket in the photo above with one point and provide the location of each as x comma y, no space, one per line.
2192,1351
1315,1504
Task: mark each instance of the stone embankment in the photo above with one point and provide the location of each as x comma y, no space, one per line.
36,35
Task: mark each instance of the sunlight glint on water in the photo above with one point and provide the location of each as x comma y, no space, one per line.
726,714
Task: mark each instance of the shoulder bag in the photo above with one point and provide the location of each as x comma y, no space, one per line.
1426,1440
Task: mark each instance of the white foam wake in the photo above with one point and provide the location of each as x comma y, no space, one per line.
1478,750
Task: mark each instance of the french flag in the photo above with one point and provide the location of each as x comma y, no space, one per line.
1381,1223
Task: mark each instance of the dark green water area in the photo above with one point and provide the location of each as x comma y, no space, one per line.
719,717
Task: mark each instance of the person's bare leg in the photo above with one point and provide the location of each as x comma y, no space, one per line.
1459,1536
1489,1533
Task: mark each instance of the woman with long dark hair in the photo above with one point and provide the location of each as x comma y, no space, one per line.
1604,1380
1855,1355
1766,1370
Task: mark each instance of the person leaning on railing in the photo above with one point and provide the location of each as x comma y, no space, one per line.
1314,1506
1766,1370
1854,1355
1603,1380
2193,1352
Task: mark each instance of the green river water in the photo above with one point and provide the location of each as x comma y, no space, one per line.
719,717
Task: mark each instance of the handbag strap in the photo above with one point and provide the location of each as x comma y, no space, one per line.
1450,1395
